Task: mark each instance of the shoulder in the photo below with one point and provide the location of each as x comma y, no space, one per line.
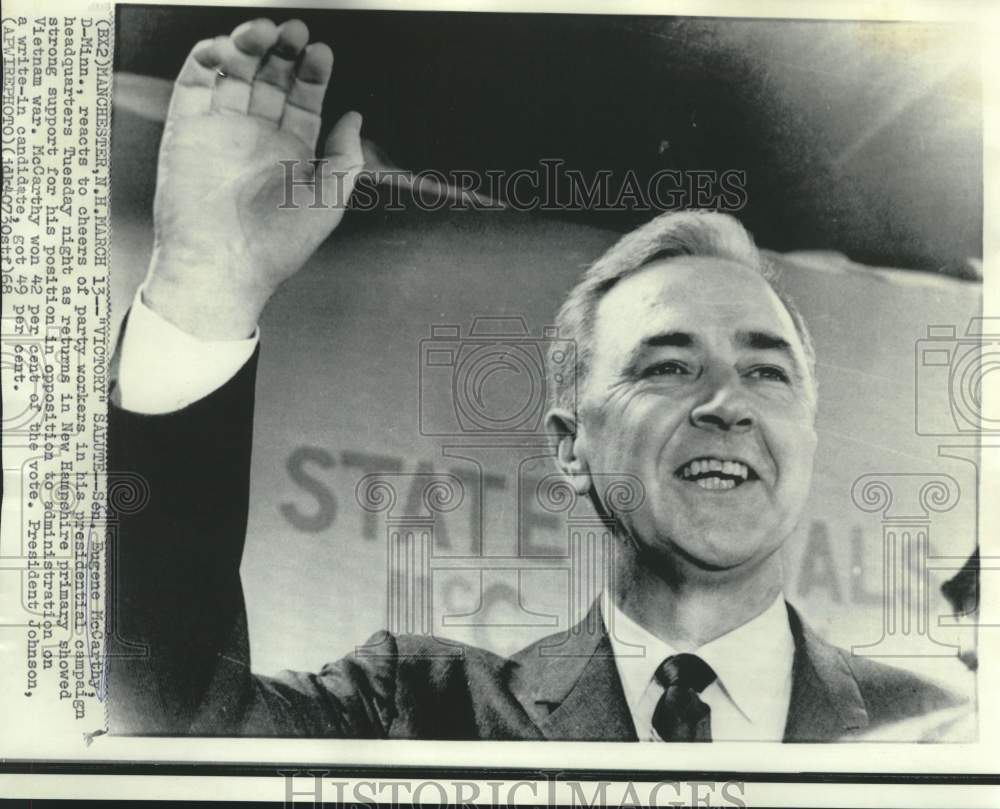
437,660
865,692
893,694
449,690
415,668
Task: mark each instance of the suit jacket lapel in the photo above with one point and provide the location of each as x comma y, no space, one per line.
569,685
826,703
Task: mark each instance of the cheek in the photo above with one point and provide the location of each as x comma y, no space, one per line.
646,440
798,449
617,450
625,433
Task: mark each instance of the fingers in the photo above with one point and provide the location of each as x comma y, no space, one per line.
274,79
241,55
343,144
343,159
196,82
304,105
261,69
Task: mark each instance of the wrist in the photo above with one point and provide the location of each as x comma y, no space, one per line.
197,302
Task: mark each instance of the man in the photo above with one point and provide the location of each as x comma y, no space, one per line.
693,377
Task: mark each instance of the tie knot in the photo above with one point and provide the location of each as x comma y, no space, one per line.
686,671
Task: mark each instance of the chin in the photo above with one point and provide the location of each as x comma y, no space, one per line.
718,561
709,549
722,552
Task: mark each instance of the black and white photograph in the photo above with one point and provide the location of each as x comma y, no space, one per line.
513,375
544,411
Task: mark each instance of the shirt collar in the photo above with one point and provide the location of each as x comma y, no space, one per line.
758,652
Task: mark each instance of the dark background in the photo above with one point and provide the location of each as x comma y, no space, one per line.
864,138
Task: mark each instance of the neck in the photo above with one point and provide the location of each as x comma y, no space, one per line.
685,608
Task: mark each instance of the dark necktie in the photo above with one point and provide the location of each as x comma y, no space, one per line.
680,716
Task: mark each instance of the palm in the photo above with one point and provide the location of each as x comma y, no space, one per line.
222,181
230,225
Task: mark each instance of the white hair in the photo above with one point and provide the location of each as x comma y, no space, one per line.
686,233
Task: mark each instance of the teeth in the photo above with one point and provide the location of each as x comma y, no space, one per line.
732,468
715,483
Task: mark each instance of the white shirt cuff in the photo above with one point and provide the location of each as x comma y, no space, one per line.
162,368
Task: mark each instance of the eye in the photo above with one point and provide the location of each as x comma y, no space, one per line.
666,368
771,373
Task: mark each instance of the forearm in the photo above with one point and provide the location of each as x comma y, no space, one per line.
175,561
225,238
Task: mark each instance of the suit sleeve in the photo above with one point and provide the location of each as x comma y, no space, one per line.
179,659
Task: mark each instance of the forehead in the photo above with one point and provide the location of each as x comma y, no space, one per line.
710,298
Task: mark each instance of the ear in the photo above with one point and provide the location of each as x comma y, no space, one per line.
561,426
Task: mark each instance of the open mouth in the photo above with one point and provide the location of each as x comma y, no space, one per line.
716,473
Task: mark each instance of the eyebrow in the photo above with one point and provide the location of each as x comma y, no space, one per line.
674,339
752,339
764,341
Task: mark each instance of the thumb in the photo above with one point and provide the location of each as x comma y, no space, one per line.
343,159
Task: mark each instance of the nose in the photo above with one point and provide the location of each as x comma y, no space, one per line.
725,408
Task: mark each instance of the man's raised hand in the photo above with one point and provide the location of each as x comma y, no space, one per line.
225,234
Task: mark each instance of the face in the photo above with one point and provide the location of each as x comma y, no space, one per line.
699,387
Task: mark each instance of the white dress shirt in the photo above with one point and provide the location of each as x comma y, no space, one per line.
162,368
753,663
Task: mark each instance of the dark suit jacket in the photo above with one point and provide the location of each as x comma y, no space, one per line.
179,656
